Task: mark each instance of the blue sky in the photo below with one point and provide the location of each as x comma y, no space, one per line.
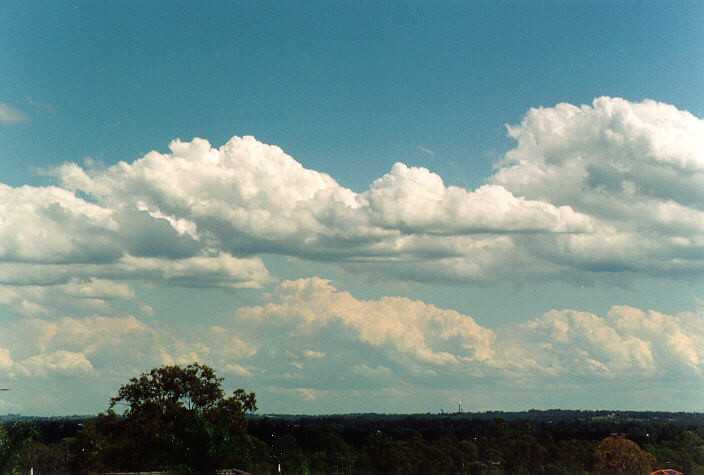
320,264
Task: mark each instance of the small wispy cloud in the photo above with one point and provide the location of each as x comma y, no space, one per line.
45,107
426,150
10,115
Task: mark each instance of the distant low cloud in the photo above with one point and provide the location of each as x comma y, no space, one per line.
410,328
36,347
11,115
312,339
627,343
432,343
61,363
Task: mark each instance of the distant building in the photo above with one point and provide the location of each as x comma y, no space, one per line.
666,471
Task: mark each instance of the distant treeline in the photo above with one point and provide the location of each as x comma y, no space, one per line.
553,441
530,415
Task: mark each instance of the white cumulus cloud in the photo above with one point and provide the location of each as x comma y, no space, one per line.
626,343
423,332
610,187
61,363
415,200
637,169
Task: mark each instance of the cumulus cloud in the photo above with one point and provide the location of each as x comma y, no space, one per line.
98,289
88,336
636,168
49,236
603,188
363,343
422,344
614,188
10,115
79,289
241,194
50,224
99,353
61,363
414,200
221,270
408,328
612,146
104,346
610,187
249,195
5,358
598,189
627,343
310,339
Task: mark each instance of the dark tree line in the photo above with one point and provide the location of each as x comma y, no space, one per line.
178,419
464,444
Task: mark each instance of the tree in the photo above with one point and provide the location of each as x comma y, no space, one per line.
616,454
14,442
174,418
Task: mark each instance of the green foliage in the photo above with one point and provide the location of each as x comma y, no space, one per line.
376,444
175,418
372,444
15,440
685,453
